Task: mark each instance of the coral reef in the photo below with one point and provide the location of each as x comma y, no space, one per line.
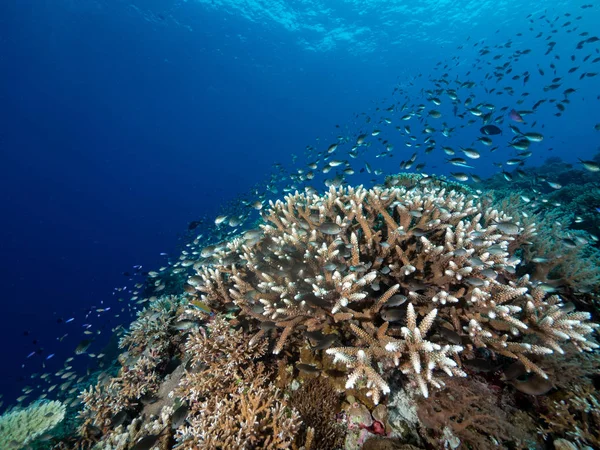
233,401
318,403
20,427
418,314
469,412
321,263
573,204
561,258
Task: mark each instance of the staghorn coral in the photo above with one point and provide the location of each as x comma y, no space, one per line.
233,400
231,397
100,402
576,416
380,346
223,347
136,381
252,417
123,437
357,290
318,264
572,411
151,328
218,360
151,342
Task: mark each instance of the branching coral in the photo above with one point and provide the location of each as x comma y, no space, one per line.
467,412
151,328
320,263
573,410
357,290
576,417
233,400
149,344
317,404
100,404
20,427
557,255
252,417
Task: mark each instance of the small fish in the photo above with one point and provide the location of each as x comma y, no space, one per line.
485,140
534,385
507,227
184,325
473,281
490,130
208,251
393,314
460,162
489,273
452,336
514,115
179,416
540,260
202,306
533,137
330,267
325,342
520,144
314,335
396,300
460,176
307,368
83,346
470,153
147,442
514,371
119,418
554,185
592,166
546,288
568,242
220,219
330,228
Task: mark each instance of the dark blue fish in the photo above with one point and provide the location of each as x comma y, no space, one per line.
490,130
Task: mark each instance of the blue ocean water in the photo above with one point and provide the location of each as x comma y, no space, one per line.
124,121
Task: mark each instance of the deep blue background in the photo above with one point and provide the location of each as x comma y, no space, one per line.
120,124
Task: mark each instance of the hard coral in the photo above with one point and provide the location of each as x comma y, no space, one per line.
320,263
233,400
467,412
20,427
317,403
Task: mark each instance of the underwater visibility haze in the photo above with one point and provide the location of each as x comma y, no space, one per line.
299,224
